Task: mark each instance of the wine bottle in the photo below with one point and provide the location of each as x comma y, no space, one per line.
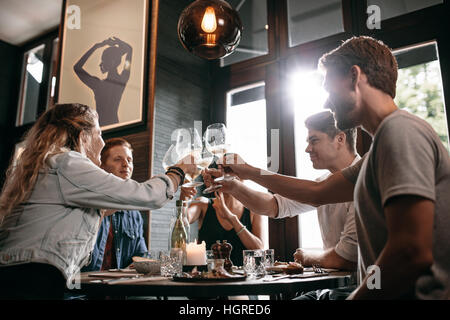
179,235
185,219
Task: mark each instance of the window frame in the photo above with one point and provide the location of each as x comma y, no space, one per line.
43,97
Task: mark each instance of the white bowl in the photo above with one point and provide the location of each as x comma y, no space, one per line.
150,267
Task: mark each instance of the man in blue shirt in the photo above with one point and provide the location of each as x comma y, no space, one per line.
120,236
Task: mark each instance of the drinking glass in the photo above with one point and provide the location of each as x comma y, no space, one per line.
254,262
188,142
202,160
170,158
210,260
217,142
269,258
171,262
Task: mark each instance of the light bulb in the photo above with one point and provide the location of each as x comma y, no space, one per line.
210,29
209,23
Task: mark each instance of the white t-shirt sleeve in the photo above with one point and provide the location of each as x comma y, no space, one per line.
347,247
290,208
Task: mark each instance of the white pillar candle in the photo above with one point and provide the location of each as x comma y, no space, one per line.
196,254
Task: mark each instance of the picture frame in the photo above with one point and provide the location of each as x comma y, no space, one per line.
103,59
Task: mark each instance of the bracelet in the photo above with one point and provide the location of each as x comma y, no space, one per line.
176,173
179,170
243,228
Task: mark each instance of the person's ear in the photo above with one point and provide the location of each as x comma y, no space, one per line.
341,138
355,73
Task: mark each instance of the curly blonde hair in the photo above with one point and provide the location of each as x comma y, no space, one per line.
56,131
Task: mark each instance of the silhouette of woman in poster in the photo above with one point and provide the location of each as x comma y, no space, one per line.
107,92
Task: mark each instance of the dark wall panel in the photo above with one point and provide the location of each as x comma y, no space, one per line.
9,82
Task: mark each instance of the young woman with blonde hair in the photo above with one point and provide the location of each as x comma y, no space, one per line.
49,206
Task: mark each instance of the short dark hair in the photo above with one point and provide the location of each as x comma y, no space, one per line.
110,143
324,122
373,57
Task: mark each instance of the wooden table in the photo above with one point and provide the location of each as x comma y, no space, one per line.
280,289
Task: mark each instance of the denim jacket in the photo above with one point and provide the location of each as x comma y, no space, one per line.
128,239
59,221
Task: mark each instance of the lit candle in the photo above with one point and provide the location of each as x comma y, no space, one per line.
196,254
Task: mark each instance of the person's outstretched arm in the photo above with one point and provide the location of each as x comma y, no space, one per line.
336,188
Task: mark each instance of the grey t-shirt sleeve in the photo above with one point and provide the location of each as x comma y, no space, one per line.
351,173
405,154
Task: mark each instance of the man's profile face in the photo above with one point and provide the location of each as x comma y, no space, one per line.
322,149
119,162
340,100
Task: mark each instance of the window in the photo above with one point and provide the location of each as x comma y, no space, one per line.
306,20
419,86
308,97
254,41
390,9
246,124
52,73
33,67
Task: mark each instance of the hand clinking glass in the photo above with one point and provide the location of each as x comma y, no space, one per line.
216,142
188,142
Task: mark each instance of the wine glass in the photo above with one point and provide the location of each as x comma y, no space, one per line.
188,142
170,158
216,142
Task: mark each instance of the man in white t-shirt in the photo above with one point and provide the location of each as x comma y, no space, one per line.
332,149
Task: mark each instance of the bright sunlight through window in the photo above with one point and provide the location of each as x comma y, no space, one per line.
308,97
246,124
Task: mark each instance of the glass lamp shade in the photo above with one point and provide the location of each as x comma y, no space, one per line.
210,29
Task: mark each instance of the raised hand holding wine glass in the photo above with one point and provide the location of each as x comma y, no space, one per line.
188,149
217,142
172,160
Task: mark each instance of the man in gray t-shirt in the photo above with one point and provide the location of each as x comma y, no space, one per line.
415,163
400,187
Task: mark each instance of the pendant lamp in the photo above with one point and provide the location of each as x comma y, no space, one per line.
210,29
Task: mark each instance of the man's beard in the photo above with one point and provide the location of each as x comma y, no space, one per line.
344,115
343,120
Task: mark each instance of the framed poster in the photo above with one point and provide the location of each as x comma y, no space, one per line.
103,58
